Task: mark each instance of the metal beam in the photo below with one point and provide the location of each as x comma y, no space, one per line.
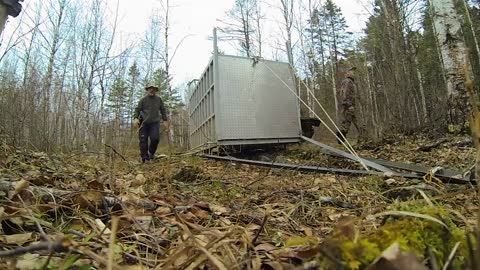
447,173
309,168
447,176
336,151
319,169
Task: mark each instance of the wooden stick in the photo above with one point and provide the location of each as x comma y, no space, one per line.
116,152
61,245
264,221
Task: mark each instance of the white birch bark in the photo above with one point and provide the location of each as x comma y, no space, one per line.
448,30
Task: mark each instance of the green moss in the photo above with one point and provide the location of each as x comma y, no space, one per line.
413,234
359,253
298,241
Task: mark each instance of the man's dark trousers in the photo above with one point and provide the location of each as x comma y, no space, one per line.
149,131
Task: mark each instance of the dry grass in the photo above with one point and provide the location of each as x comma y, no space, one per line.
190,213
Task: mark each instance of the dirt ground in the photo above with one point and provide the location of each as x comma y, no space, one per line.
184,212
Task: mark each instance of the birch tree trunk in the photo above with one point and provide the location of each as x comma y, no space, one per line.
448,30
421,89
463,99
373,105
56,23
170,130
287,13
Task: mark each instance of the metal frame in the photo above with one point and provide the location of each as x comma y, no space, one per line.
309,168
226,110
258,141
318,169
389,167
201,109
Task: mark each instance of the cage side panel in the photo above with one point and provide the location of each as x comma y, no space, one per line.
254,103
201,109
259,141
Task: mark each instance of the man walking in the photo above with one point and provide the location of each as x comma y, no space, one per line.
147,115
346,96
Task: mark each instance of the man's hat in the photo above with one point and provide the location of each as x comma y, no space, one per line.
151,86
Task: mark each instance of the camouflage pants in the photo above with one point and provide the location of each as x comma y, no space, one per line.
347,118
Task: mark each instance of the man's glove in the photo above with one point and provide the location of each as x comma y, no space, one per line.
136,122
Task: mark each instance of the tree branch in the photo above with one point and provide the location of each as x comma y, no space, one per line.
61,245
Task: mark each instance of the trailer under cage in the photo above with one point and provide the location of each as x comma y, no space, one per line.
240,101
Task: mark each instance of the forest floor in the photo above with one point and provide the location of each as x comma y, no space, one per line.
81,211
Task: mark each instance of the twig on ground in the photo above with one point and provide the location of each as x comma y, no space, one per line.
116,152
255,181
262,226
61,245
43,235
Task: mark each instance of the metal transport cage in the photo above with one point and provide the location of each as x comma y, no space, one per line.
243,101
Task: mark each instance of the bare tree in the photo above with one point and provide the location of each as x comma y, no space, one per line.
241,23
152,48
56,17
307,57
448,29
287,10
166,8
259,17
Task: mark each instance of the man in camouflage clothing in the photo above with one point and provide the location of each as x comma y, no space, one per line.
346,97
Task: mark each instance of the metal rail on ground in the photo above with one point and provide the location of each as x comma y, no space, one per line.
445,174
385,168
308,168
341,153
338,171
